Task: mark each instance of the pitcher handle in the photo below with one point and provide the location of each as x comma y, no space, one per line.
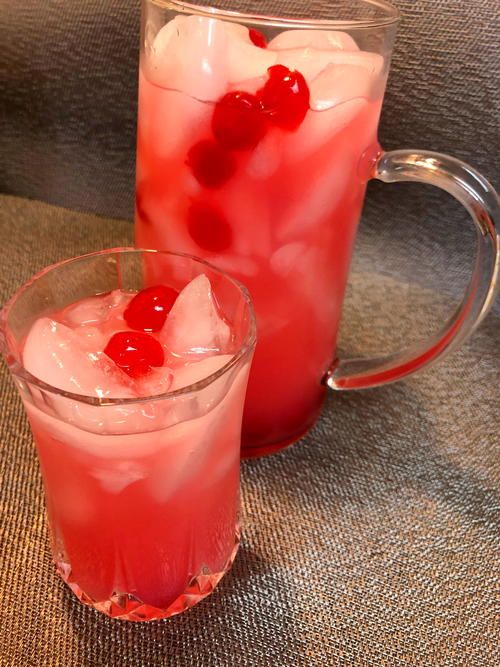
482,202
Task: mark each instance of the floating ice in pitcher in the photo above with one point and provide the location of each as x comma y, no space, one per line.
266,157
315,39
164,111
319,130
338,83
188,54
311,62
201,56
245,60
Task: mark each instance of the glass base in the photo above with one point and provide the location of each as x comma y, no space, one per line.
127,607
255,451
256,444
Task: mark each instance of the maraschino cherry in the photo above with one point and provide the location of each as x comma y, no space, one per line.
135,352
208,227
238,122
257,38
149,308
211,164
285,97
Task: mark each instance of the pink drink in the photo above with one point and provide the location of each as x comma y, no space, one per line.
280,214
142,494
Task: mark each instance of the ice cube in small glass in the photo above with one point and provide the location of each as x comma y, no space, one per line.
55,354
195,325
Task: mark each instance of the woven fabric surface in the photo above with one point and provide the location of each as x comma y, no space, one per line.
373,541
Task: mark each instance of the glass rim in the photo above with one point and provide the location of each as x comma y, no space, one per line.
392,16
18,370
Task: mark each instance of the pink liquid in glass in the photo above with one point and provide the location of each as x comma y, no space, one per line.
281,213
142,497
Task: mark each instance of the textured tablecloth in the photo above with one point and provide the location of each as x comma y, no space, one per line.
373,541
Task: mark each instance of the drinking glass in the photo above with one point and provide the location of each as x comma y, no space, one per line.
142,494
257,135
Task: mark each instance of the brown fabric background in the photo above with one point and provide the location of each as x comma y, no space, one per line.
373,541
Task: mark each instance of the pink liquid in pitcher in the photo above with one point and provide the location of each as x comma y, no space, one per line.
142,497
252,156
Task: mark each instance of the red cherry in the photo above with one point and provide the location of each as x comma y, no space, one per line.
257,38
238,122
134,352
149,308
211,164
285,97
208,227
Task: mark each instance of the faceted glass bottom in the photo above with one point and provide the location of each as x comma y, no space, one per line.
127,607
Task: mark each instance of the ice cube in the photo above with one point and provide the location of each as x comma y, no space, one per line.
91,338
54,354
245,61
307,264
317,39
339,83
91,311
193,372
309,62
115,476
189,54
250,85
183,452
237,30
320,129
372,62
167,119
319,198
312,62
250,213
266,157
156,381
95,310
194,325
188,444
284,260
191,444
